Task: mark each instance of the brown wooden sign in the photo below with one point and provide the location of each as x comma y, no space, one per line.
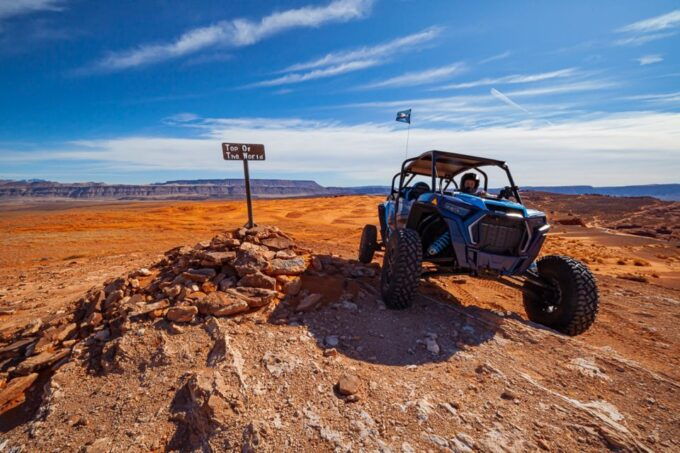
242,151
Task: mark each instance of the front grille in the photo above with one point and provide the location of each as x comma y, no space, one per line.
499,235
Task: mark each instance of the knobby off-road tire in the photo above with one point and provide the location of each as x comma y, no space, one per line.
368,243
401,268
574,306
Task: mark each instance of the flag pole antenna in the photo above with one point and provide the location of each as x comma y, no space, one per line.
404,116
408,134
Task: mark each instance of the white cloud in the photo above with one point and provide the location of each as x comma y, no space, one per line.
636,147
318,73
235,33
9,8
662,22
419,77
385,49
657,98
642,39
185,117
651,29
500,56
590,85
511,79
649,59
337,63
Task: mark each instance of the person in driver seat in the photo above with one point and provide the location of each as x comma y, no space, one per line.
469,184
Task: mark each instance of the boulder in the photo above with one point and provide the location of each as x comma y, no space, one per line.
197,295
277,243
309,302
199,275
148,308
40,361
66,332
256,297
94,319
249,261
348,384
285,254
290,285
17,346
226,283
221,304
113,297
13,393
258,280
95,302
182,313
216,258
115,285
293,266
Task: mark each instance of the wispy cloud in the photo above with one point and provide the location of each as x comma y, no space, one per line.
657,98
329,71
234,33
9,8
511,79
419,77
588,85
651,29
637,40
649,59
336,63
382,50
500,56
181,118
657,23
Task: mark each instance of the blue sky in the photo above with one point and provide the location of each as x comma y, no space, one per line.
576,92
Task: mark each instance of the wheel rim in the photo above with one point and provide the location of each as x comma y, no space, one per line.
552,302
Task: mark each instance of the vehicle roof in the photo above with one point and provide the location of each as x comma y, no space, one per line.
448,164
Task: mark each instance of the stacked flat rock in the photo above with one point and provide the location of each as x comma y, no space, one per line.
237,271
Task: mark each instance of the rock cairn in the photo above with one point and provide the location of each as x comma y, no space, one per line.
237,271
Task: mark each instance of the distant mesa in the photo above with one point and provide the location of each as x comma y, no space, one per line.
200,189
205,189
670,192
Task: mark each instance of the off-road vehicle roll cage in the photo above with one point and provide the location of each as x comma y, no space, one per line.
443,167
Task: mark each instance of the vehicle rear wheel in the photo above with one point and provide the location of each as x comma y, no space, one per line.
368,244
383,223
571,306
401,268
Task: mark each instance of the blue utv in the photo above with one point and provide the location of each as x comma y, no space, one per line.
446,228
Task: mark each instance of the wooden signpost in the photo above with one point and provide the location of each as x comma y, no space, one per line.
244,152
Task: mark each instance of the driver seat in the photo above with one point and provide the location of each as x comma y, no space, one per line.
417,190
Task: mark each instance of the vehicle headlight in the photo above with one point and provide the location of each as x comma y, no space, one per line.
458,210
537,222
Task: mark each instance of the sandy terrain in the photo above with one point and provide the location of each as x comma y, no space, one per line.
494,382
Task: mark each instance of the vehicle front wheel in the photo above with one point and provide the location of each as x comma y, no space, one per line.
401,268
570,304
368,243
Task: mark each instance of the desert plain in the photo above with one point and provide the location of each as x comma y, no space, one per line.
462,370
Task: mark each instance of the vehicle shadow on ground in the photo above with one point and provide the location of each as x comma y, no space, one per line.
352,319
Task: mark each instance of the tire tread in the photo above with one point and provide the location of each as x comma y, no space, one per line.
406,273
